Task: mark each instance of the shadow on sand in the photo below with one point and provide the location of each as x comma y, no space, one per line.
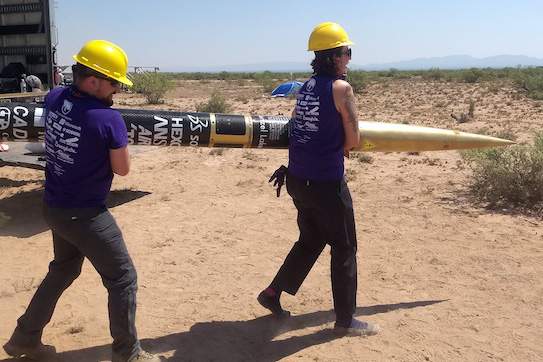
24,211
252,340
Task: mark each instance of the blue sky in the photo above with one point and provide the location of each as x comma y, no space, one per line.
174,33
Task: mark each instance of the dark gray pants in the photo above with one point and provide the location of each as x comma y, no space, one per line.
79,233
325,216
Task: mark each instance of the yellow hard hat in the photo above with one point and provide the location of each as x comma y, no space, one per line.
106,58
328,36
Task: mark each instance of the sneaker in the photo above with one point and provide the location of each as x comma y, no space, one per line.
140,357
357,328
34,353
273,305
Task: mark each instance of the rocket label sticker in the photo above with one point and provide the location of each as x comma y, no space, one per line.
368,144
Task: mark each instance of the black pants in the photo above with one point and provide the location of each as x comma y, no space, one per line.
78,233
325,216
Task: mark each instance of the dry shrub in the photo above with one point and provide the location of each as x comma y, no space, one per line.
216,104
509,177
362,157
152,85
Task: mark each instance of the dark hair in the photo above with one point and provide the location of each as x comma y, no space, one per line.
324,63
82,71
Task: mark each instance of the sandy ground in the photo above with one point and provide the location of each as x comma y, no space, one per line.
445,278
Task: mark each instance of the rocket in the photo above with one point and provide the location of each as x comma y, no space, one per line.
25,122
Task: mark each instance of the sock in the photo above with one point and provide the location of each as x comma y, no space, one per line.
270,292
346,323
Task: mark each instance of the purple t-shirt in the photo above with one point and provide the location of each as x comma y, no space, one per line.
317,139
79,132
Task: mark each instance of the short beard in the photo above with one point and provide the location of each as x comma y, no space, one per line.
108,102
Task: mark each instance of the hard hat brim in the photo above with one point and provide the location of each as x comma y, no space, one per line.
345,43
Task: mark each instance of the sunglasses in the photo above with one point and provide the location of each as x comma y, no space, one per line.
114,83
348,53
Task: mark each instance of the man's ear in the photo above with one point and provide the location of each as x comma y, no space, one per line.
93,82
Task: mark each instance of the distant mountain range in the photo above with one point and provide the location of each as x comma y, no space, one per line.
448,62
458,62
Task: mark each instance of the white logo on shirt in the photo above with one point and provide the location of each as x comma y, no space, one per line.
67,106
311,84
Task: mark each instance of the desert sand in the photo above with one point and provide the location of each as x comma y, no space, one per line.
444,277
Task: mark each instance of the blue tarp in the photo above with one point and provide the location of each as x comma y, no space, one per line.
286,89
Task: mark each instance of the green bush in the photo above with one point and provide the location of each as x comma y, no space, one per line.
267,81
242,75
472,75
526,76
358,79
530,80
433,74
509,177
216,104
152,85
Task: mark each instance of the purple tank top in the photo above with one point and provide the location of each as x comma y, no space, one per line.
317,139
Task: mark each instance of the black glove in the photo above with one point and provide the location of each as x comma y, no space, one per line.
279,176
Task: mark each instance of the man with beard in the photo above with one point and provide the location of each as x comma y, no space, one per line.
86,143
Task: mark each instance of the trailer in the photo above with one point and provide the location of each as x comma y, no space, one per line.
28,40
